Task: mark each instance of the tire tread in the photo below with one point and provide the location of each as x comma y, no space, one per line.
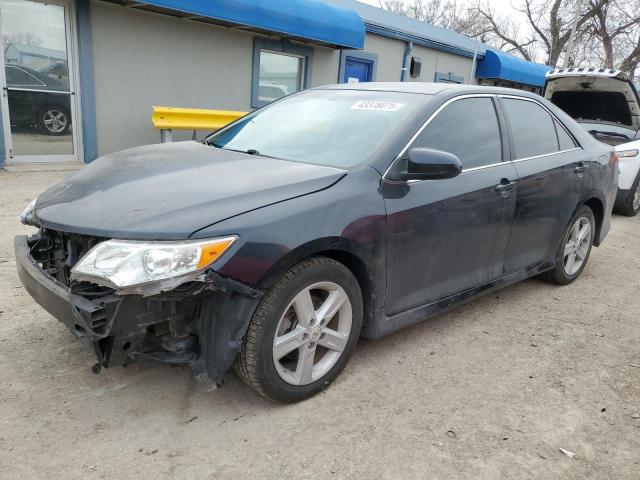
246,363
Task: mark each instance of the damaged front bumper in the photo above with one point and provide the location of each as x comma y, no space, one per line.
200,324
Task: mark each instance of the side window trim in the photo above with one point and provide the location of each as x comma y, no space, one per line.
448,102
554,120
38,84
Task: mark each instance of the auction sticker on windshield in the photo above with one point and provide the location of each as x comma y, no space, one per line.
377,105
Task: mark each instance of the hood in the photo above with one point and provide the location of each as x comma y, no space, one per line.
605,102
169,191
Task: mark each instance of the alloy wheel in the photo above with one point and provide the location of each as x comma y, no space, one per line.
312,333
577,247
55,121
636,198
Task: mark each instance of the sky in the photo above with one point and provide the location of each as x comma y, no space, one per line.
504,5
45,22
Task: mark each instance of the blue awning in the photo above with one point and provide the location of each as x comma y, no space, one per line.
312,20
501,65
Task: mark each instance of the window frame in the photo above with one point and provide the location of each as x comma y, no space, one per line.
502,128
281,47
554,120
362,56
448,77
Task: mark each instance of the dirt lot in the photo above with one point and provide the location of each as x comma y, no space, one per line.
491,390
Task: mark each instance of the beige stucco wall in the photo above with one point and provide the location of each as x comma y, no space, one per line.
326,63
143,59
390,53
436,61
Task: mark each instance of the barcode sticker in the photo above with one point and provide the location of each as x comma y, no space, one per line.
377,105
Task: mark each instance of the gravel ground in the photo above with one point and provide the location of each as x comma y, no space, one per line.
491,390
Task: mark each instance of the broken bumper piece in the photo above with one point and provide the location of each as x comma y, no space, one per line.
199,324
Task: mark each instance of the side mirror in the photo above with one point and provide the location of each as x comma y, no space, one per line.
428,164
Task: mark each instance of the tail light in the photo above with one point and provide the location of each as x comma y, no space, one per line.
628,153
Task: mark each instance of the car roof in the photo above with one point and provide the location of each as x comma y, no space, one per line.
428,88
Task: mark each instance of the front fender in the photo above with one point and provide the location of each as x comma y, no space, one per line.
348,217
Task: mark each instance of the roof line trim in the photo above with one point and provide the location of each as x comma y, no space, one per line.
399,35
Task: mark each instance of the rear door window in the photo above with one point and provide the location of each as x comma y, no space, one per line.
532,128
564,139
469,129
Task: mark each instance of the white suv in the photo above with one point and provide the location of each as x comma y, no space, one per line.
606,103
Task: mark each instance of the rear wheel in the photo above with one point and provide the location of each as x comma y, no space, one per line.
302,332
575,248
630,205
54,120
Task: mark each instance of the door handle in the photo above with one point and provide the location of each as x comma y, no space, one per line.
581,168
505,187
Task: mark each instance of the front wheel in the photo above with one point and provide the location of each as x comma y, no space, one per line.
54,120
302,332
575,248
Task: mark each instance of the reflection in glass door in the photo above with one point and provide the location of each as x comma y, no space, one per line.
38,107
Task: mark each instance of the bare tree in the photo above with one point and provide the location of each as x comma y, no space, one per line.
607,31
501,31
444,13
26,38
614,35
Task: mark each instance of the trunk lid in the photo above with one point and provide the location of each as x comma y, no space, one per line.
605,102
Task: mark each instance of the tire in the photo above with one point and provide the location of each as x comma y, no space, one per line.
566,272
630,205
277,319
54,120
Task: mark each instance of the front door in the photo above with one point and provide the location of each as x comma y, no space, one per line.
357,70
447,236
38,102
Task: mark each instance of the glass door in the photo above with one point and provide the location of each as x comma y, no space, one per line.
38,101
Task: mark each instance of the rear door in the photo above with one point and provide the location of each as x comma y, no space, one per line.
447,236
552,171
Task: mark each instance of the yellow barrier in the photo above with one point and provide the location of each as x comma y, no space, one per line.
167,119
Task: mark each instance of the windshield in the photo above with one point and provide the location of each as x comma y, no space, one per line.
339,128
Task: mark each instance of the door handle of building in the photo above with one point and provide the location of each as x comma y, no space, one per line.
505,187
581,168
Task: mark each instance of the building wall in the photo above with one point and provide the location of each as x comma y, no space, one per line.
456,64
326,64
142,59
390,53
436,61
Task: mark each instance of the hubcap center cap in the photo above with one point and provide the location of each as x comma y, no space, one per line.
315,333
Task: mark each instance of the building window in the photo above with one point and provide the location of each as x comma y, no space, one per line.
448,78
279,69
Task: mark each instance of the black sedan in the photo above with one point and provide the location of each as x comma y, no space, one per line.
36,99
333,213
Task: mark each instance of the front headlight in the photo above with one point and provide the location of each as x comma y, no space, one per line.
26,217
148,267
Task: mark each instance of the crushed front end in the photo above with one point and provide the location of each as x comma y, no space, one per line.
199,323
